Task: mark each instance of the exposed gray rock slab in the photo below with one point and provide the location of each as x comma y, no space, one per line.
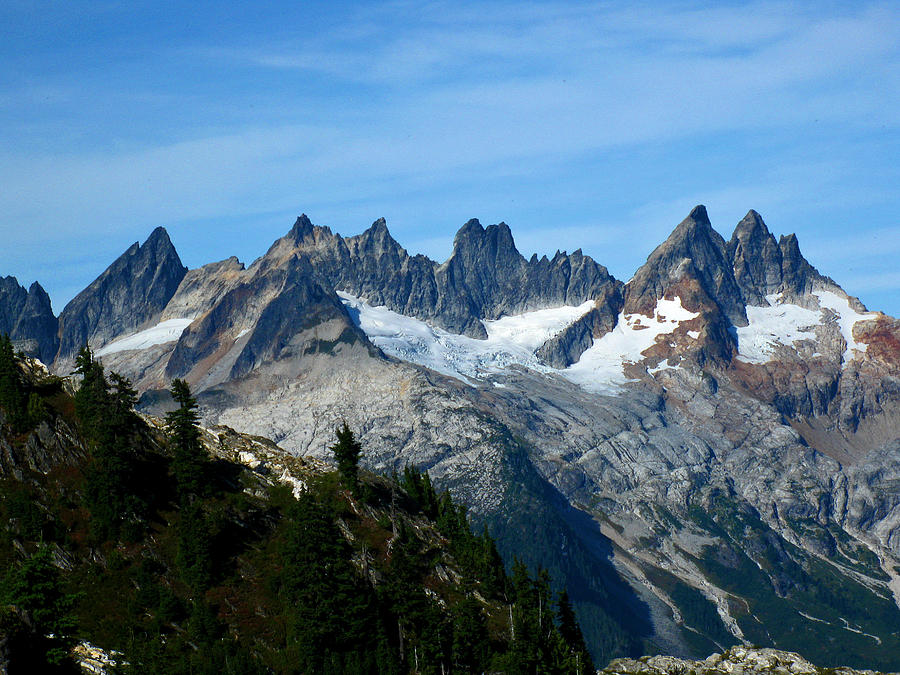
736,660
131,292
764,267
485,277
696,250
202,287
28,319
269,315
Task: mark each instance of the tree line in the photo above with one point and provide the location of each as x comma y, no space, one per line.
334,606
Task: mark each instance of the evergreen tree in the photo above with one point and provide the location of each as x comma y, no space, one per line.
36,588
123,400
346,452
12,392
470,637
433,640
401,590
333,619
491,569
577,658
110,426
418,486
92,397
189,460
536,643
194,555
37,409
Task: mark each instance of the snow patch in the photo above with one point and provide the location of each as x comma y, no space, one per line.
298,487
161,333
777,324
847,317
512,341
663,365
532,329
601,367
785,324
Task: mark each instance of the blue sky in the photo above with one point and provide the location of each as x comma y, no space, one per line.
591,125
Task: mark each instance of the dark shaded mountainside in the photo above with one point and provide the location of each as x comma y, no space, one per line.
706,455
140,545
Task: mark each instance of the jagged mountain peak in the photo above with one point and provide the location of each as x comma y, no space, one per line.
471,226
699,216
379,227
157,243
789,244
756,259
38,299
302,228
751,226
130,292
800,278
478,242
377,232
28,319
159,237
696,225
752,217
798,272
694,250
38,290
13,296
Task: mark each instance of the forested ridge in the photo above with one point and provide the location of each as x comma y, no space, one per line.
146,541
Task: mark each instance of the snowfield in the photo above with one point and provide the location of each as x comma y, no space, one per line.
785,324
601,368
847,317
532,329
512,340
777,324
167,331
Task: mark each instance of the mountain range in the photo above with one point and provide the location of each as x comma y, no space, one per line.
706,455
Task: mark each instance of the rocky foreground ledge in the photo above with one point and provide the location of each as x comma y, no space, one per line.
735,661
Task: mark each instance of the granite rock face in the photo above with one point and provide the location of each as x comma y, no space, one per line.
692,265
274,312
485,277
764,267
28,319
131,292
756,259
696,251
201,287
736,660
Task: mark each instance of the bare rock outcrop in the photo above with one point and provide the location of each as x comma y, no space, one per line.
131,292
736,660
28,319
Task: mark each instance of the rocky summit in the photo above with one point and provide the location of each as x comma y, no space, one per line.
707,455
735,660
